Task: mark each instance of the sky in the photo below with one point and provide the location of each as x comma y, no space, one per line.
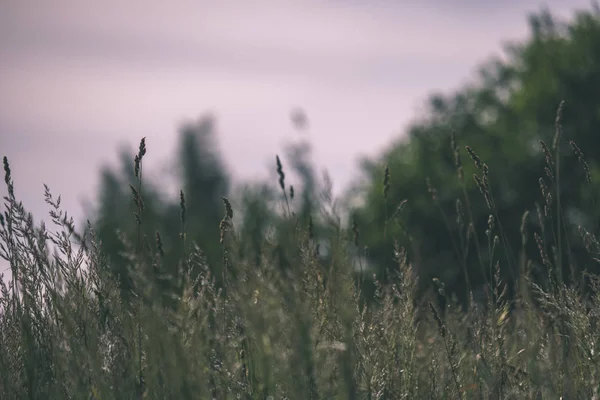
79,79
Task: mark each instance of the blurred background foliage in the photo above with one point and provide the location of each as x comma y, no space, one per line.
502,114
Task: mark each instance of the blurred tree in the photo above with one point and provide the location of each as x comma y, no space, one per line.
203,180
114,219
502,116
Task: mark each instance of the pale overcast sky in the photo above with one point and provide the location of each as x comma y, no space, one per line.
79,78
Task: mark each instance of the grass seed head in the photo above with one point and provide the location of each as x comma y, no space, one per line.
523,228
182,206
7,177
386,182
228,209
280,173
582,162
474,157
438,320
558,125
138,158
547,153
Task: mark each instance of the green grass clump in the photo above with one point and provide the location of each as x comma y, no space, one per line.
290,324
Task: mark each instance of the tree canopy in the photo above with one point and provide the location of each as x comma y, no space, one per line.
502,116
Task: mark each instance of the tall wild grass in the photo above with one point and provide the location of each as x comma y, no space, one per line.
288,325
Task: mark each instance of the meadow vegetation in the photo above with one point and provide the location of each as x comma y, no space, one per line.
289,305
292,325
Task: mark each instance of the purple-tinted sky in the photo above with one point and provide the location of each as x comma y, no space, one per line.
79,78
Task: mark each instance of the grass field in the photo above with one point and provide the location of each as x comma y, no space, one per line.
292,327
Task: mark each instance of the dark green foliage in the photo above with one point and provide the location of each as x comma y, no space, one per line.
203,181
502,117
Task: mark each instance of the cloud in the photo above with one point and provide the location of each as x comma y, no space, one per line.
301,37
79,75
